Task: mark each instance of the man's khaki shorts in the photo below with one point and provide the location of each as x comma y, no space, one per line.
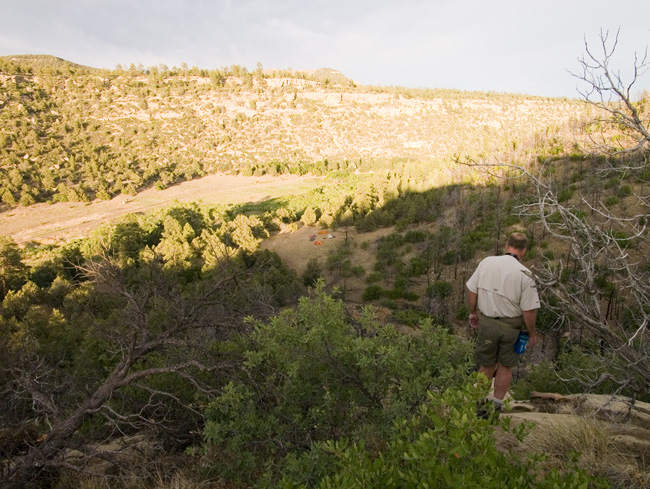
496,341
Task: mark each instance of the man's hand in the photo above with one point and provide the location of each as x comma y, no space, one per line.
530,318
472,300
473,320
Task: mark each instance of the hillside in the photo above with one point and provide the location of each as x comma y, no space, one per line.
44,63
216,278
70,133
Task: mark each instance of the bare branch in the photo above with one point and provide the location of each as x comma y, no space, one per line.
600,241
606,89
162,331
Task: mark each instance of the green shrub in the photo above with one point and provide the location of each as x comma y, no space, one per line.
463,313
8,198
440,289
26,200
312,273
43,274
415,236
624,191
564,194
373,277
576,370
349,270
310,376
410,296
621,238
410,317
449,258
511,220
548,254
417,266
358,271
373,292
443,445
394,294
390,304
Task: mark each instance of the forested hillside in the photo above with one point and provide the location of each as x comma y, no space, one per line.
74,133
173,349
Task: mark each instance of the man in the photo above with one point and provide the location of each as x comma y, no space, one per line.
502,299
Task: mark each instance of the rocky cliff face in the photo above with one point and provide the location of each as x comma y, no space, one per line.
293,120
77,134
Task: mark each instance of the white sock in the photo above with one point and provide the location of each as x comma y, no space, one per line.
498,402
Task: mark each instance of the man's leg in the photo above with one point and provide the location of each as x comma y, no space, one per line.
481,408
502,381
487,371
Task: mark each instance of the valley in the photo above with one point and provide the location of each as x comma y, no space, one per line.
61,222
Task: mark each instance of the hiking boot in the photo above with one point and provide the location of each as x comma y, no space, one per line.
497,410
483,410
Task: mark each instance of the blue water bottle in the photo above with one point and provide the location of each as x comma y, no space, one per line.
522,341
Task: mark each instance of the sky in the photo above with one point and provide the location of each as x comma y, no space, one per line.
508,46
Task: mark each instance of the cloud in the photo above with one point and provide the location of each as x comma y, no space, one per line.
467,44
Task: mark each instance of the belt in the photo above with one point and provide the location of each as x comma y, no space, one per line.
516,322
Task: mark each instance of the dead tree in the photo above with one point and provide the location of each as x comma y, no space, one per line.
160,330
605,88
602,240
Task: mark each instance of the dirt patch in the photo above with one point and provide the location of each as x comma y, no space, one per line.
297,247
62,222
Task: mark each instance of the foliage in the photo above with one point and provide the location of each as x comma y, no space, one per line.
410,317
12,270
310,376
595,211
442,444
309,216
72,133
310,397
312,273
440,289
579,368
124,339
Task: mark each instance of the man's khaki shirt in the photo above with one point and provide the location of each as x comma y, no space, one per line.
504,286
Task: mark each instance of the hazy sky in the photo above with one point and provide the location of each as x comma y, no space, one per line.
516,46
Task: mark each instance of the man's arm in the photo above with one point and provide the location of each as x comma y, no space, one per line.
472,299
530,318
